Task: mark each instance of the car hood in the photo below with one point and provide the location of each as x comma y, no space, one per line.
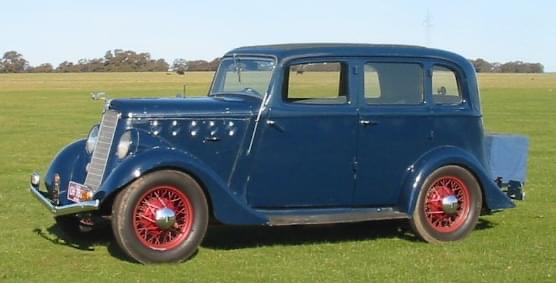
209,106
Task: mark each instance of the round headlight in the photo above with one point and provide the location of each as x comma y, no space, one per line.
123,146
92,139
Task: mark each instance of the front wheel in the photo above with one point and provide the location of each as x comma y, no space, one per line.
448,206
161,217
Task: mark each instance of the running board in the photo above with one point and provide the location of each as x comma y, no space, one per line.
329,216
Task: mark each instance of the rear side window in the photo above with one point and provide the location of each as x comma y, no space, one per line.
317,83
445,87
393,83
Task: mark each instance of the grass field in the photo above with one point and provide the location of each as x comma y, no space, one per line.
40,113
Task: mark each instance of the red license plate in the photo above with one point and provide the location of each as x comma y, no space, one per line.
76,191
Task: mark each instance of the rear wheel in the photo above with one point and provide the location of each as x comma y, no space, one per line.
448,206
161,217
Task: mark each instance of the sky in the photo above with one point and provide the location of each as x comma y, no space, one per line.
58,30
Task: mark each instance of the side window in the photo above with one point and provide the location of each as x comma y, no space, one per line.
445,87
372,83
317,83
393,83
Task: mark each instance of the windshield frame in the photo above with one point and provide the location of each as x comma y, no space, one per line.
218,74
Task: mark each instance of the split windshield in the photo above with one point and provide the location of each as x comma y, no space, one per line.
243,75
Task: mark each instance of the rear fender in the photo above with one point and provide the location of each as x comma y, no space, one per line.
493,197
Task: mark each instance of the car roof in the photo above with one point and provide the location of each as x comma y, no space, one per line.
282,51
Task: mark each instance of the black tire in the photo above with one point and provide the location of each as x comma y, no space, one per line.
432,221
132,220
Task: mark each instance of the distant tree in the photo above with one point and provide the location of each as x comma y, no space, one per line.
213,65
159,65
198,65
180,66
496,67
13,62
537,68
65,67
130,61
108,55
42,68
202,65
481,66
521,67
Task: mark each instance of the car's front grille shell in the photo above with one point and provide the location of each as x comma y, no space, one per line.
97,166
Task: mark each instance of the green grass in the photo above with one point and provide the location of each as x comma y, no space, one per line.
40,113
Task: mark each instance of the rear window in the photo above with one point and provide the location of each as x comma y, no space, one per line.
445,87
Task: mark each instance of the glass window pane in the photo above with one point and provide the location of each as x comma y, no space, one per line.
393,83
372,83
316,83
445,89
246,75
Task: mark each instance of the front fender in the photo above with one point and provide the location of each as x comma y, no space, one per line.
494,198
227,208
69,163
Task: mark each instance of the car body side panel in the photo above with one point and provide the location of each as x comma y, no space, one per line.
305,158
384,154
218,141
227,208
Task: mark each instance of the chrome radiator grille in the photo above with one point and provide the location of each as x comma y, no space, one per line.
96,167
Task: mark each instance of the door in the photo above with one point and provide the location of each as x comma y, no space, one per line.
394,130
305,154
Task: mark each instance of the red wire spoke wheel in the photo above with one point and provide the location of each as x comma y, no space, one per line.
163,218
443,215
448,206
160,217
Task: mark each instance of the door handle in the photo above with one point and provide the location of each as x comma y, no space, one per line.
211,139
273,123
368,123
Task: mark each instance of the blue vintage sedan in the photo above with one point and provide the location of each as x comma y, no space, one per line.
287,135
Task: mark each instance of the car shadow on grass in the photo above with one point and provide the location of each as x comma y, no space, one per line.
83,241
239,237
224,237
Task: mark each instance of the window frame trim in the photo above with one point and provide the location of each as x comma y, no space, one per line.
423,64
460,85
351,96
217,79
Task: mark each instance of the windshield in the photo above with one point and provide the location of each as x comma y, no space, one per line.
245,75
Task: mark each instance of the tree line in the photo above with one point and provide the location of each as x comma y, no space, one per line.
482,66
120,60
117,60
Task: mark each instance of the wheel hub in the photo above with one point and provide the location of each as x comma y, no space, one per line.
450,204
165,218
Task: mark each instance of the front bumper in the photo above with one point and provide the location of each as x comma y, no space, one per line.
63,209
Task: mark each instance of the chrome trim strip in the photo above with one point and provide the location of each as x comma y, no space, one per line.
64,209
101,154
264,102
313,216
